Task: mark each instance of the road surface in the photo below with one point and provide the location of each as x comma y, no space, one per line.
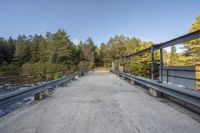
100,102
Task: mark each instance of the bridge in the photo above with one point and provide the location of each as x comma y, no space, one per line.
103,101
100,102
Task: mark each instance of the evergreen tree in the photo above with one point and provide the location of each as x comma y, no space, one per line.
193,47
22,53
102,54
37,41
173,56
88,53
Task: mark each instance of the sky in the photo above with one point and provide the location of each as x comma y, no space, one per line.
150,20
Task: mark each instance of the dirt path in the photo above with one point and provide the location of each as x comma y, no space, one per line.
100,102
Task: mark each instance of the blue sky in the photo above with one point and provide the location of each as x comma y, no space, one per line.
155,20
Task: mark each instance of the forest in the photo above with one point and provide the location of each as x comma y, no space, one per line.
55,51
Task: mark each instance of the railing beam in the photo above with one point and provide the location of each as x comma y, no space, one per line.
178,40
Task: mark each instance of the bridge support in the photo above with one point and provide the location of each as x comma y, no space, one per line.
133,82
39,96
84,73
43,94
76,77
154,93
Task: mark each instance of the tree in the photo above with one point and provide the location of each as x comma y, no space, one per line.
102,54
193,47
7,49
3,50
22,53
120,46
88,53
60,47
173,56
11,46
35,45
116,46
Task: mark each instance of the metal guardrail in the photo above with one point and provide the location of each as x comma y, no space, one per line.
174,91
181,77
185,95
29,78
178,40
154,47
13,97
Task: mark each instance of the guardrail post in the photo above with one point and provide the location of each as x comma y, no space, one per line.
76,77
152,62
38,96
161,65
44,93
133,82
154,93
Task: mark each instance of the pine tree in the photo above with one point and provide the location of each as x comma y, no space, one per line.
22,53
193,47
173,56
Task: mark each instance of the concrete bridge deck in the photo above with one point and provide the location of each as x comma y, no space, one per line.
99,103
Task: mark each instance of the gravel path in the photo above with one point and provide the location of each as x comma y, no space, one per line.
100,102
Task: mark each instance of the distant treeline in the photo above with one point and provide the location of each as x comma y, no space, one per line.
55,51
37,54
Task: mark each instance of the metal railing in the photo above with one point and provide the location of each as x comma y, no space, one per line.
13,97
31,78
181,93
182,75
154,47
189,96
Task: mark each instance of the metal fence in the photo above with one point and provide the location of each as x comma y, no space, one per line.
13,97
34,77
186,96
182,75
180,93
